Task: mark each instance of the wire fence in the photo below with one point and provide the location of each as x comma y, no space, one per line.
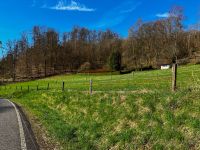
136,81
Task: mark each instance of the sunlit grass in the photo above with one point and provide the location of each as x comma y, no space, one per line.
133,111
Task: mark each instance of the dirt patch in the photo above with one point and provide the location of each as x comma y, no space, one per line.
44,141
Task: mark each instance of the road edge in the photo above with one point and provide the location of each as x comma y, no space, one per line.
38,134
21,129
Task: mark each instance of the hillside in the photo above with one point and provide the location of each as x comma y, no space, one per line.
44,51
133,111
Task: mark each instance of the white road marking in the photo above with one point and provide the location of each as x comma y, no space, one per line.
21,130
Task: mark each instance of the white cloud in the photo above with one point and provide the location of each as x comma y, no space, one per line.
133,7
73,6
163,15
33,3
116,15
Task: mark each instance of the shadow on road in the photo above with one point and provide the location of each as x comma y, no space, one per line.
5,108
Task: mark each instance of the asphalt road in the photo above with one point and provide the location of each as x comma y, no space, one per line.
15,130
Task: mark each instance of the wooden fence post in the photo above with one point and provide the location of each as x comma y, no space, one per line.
91,86
63,86
174,77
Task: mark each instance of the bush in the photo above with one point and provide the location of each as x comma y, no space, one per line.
84,67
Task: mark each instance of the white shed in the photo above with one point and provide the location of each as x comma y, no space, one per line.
165,67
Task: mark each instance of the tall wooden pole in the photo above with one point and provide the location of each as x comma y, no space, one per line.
91,86
174,77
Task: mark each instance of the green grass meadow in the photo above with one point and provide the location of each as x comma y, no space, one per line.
132,111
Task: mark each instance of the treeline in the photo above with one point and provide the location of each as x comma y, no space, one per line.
150,44
49,53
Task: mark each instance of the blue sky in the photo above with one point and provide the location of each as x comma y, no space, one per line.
17,16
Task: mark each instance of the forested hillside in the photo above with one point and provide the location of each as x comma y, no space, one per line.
46,52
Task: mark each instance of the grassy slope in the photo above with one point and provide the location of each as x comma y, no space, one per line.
146,115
